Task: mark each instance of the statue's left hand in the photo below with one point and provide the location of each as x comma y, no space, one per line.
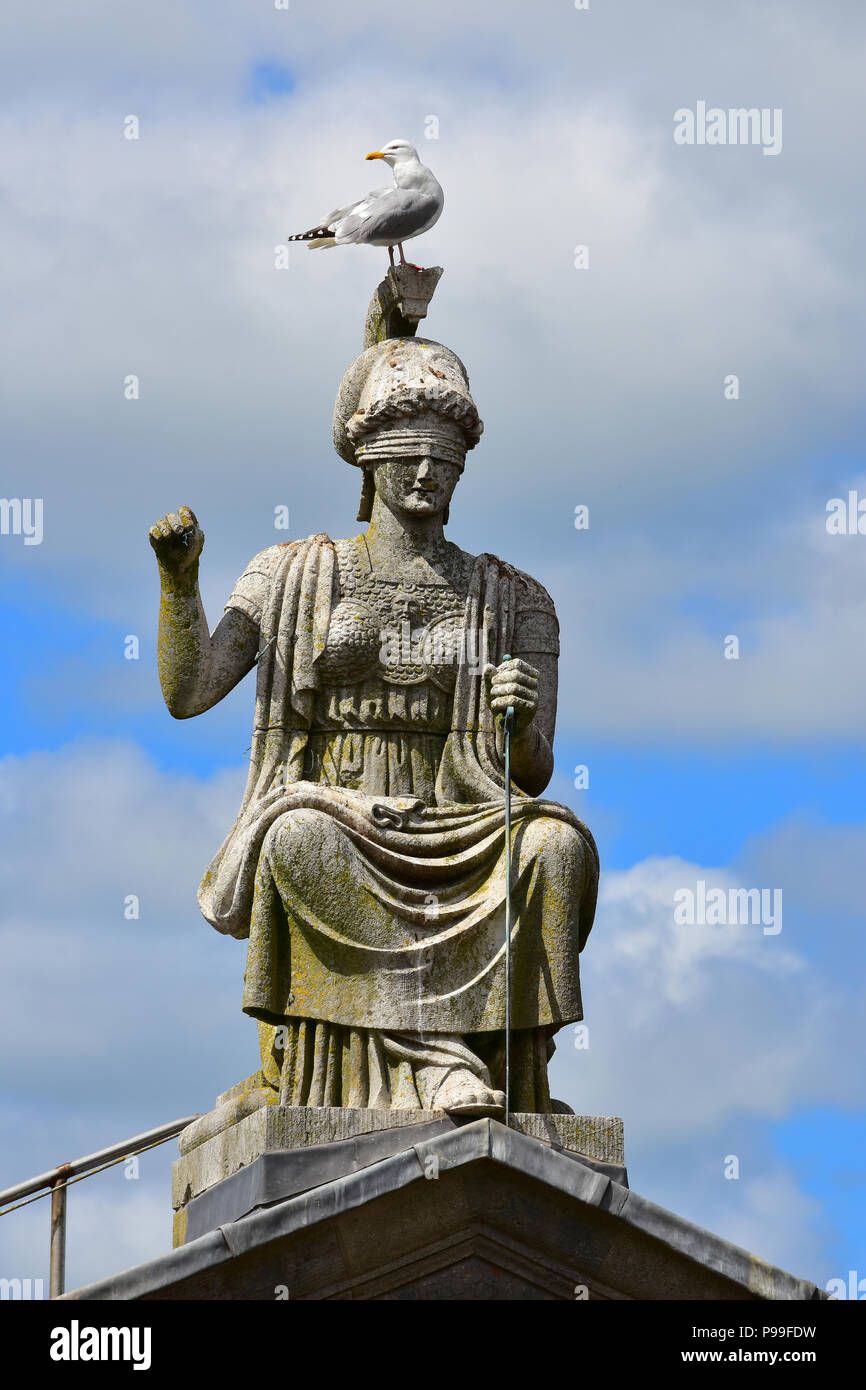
515,683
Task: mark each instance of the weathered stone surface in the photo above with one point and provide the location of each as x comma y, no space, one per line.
275,1176
594,1136
400,302
274,1128
231,1106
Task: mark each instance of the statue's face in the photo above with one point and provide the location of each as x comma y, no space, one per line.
421,486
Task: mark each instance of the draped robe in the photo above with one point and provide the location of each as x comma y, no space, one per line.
376,923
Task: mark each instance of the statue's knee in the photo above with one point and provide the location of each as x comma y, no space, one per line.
559,846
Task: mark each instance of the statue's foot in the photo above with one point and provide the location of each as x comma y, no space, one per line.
461,1093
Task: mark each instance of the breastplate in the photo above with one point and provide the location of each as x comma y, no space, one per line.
401,632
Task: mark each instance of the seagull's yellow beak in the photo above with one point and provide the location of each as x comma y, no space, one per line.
376,154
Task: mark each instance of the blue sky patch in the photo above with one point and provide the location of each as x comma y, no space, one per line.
270,80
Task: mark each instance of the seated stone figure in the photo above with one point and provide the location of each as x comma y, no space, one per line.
367,865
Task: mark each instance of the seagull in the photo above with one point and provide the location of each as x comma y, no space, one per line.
387,216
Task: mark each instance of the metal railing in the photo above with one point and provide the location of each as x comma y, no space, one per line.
58,1179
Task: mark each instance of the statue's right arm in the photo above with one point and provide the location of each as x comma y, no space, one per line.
196,669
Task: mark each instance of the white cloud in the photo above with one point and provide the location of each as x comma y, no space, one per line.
701,1038
644,633
156,257
136,1018
693,1025
173,240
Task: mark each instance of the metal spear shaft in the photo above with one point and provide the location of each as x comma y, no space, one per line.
506,752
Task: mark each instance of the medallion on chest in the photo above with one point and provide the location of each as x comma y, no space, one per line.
405,634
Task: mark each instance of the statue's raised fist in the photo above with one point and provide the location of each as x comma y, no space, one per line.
177,539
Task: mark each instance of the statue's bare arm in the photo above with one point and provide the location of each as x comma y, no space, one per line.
528,683
196,669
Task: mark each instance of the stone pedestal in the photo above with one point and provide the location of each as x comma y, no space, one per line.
278,1151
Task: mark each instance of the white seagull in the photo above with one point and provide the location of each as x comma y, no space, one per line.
387,216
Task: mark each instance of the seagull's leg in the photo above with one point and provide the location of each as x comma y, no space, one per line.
391,254
403,261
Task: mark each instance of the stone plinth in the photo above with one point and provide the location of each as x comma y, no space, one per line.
319,1145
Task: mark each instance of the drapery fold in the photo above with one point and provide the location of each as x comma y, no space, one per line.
375,921
324,1064
293,633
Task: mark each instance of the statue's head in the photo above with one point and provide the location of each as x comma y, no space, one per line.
404,415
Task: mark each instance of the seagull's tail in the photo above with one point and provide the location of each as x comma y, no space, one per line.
316,236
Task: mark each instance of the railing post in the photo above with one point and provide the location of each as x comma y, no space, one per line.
56,1181
57,1272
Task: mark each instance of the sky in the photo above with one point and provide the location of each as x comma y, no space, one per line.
604,380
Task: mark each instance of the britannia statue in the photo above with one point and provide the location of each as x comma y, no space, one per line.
368,864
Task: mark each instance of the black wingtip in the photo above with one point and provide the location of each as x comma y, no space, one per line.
312,234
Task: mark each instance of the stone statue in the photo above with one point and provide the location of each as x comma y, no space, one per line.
367,864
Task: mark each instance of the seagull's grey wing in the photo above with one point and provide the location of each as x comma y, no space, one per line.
389,216
339,213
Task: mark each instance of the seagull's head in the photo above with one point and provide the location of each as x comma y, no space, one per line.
395,152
